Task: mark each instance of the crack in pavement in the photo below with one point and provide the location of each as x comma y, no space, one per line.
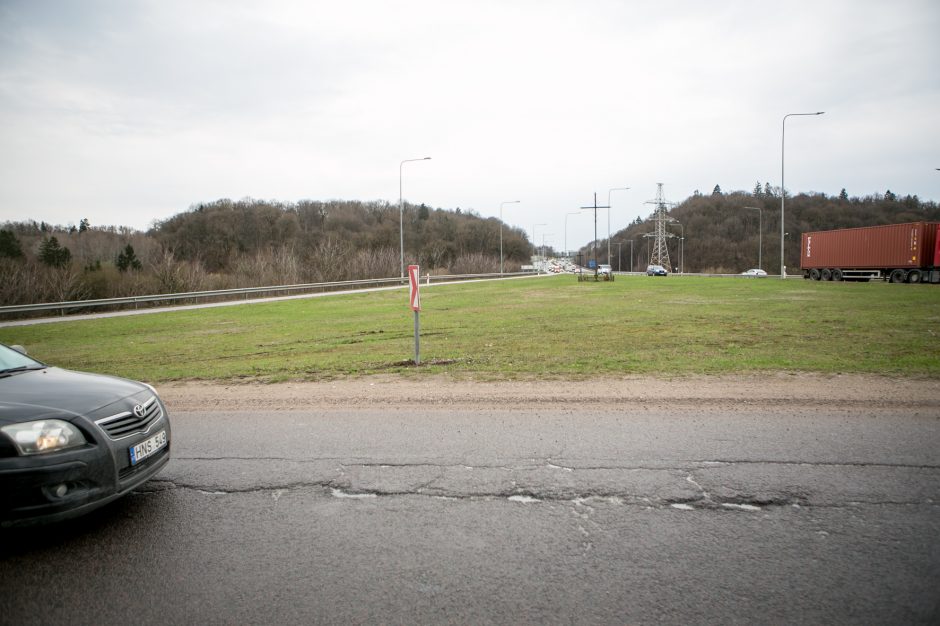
530,496
818,464
684,485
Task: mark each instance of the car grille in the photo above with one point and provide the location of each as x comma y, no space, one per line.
131,422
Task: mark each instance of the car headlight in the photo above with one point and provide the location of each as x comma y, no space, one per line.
43,436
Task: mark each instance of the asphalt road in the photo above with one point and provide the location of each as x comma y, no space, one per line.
818,514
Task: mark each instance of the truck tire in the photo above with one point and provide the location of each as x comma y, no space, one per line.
814,274
826,274
897,276
837,275
914,276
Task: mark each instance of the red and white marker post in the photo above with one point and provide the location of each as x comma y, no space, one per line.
414,297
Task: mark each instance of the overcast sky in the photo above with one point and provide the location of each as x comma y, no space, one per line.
128,112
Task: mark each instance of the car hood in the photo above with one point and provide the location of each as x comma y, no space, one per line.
55,392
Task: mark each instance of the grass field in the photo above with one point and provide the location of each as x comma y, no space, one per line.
531,328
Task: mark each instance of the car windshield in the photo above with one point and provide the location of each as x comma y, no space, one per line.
11,360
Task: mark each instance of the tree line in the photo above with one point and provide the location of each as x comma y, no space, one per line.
247,243
251,243
721,236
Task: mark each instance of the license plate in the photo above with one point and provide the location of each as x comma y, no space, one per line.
147,447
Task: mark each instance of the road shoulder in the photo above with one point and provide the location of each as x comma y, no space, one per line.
783,389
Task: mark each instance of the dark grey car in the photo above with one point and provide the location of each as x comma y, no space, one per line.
71,441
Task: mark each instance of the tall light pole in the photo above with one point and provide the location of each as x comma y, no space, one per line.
681,241
535,246
760,233
566,230
608,219
783,189
631,256
501,232
401,213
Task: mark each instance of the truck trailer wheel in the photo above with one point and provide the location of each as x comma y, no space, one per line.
814,274
826,274
914,276
897,276
837,275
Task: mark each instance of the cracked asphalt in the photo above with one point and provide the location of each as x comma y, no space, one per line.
486,507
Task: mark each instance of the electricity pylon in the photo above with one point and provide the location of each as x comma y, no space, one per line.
660,252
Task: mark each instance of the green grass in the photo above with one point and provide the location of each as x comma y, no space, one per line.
534,328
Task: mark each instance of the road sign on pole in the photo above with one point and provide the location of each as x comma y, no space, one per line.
414,298
414,282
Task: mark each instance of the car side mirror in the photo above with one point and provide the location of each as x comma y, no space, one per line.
19,349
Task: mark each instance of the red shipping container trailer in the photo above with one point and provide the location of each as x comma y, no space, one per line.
896,252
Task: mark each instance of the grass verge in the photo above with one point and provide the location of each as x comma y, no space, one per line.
532,328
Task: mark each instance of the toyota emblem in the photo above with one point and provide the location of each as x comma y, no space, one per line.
139,410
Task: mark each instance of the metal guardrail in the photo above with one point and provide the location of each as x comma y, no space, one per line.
243,291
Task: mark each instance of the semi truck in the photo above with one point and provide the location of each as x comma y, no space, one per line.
899,253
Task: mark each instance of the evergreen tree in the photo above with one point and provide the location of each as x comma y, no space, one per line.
128,260
83,225
758,192
9,245
768,191
843,195
717,190
53,254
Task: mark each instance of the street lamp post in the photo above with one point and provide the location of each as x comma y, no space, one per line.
783,189
681,240
760,233
608,219
631,256
501,233
401,213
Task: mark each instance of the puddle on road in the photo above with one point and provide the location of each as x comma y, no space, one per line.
523,499
338,493
740,507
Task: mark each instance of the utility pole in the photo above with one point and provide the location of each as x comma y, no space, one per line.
594,243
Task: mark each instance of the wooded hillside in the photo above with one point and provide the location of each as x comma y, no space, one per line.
248,243
721,235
